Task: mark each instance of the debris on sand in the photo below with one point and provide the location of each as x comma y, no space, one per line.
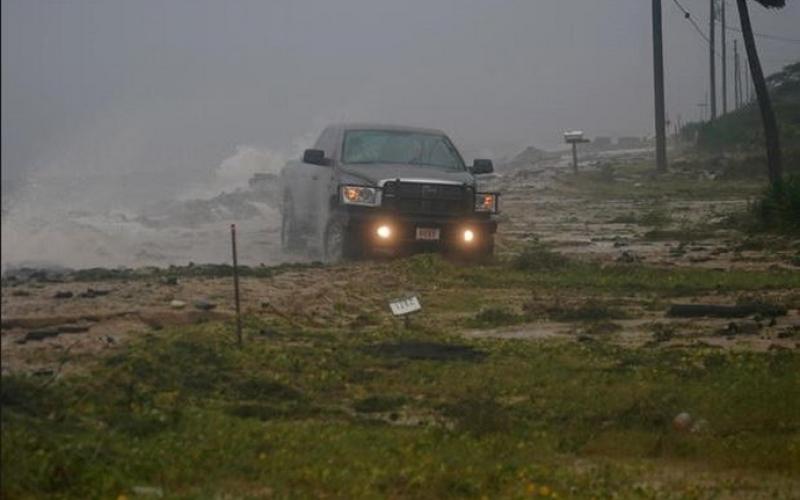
91,293
53,331
203,305
177,304
721,311
427,351
741,328
73,328
682,422
628,257
41,334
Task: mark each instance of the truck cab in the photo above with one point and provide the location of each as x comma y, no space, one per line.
368,189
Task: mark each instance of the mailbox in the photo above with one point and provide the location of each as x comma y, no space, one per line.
573,136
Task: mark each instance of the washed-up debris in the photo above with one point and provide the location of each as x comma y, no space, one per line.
628,257
203,305
619,242
741,328
63,294
177,304
72,328
91,293
720,311
427,351
41,334
663,333
682,422
45,333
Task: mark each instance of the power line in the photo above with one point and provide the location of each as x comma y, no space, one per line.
688,16
766,36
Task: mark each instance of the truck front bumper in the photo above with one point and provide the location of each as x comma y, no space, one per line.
386,231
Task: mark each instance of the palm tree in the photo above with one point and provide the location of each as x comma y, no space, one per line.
774,166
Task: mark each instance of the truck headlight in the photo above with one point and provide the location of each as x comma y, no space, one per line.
486,202
360,195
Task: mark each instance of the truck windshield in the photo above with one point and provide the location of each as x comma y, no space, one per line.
411,148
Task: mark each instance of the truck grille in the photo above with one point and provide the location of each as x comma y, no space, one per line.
423,198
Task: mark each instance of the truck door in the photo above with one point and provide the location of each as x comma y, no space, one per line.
312,209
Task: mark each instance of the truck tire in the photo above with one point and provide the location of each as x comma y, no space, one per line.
338,243
290,237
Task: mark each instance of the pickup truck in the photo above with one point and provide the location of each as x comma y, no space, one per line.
368,189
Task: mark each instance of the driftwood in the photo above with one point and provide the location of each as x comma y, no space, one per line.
718,311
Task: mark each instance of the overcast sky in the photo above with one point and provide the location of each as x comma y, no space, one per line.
140,88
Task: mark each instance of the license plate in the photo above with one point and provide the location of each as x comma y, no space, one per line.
427,233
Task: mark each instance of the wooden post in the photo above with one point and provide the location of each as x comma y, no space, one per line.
712,84
575,157
724,61
236,286
658,83
736,75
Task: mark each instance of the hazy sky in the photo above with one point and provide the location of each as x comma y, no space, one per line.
138,88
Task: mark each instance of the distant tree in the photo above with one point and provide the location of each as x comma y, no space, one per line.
774,165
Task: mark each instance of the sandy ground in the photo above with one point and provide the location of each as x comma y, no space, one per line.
537,203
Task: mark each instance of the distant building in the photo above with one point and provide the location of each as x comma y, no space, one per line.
629,142
602,142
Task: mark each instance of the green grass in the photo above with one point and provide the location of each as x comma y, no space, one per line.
188,412
555,272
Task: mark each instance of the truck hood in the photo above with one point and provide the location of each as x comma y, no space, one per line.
374,173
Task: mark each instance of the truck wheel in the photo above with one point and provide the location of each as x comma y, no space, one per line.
338,244
290,239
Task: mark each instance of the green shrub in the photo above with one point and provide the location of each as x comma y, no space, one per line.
779,208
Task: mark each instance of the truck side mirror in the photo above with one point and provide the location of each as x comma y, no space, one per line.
314,156
482,167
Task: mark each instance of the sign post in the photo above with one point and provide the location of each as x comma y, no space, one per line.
575,137
405,307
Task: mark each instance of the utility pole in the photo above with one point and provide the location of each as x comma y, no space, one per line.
746,77
737,82
658,83
724,62
712,19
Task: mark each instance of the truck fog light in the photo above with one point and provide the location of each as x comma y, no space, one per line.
384,231
469,235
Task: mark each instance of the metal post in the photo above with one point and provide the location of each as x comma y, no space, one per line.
711,62
724,63
658,81
746,77
236,286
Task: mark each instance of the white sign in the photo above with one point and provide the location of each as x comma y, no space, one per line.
401,307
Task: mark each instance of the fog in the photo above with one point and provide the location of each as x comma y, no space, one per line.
112,107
